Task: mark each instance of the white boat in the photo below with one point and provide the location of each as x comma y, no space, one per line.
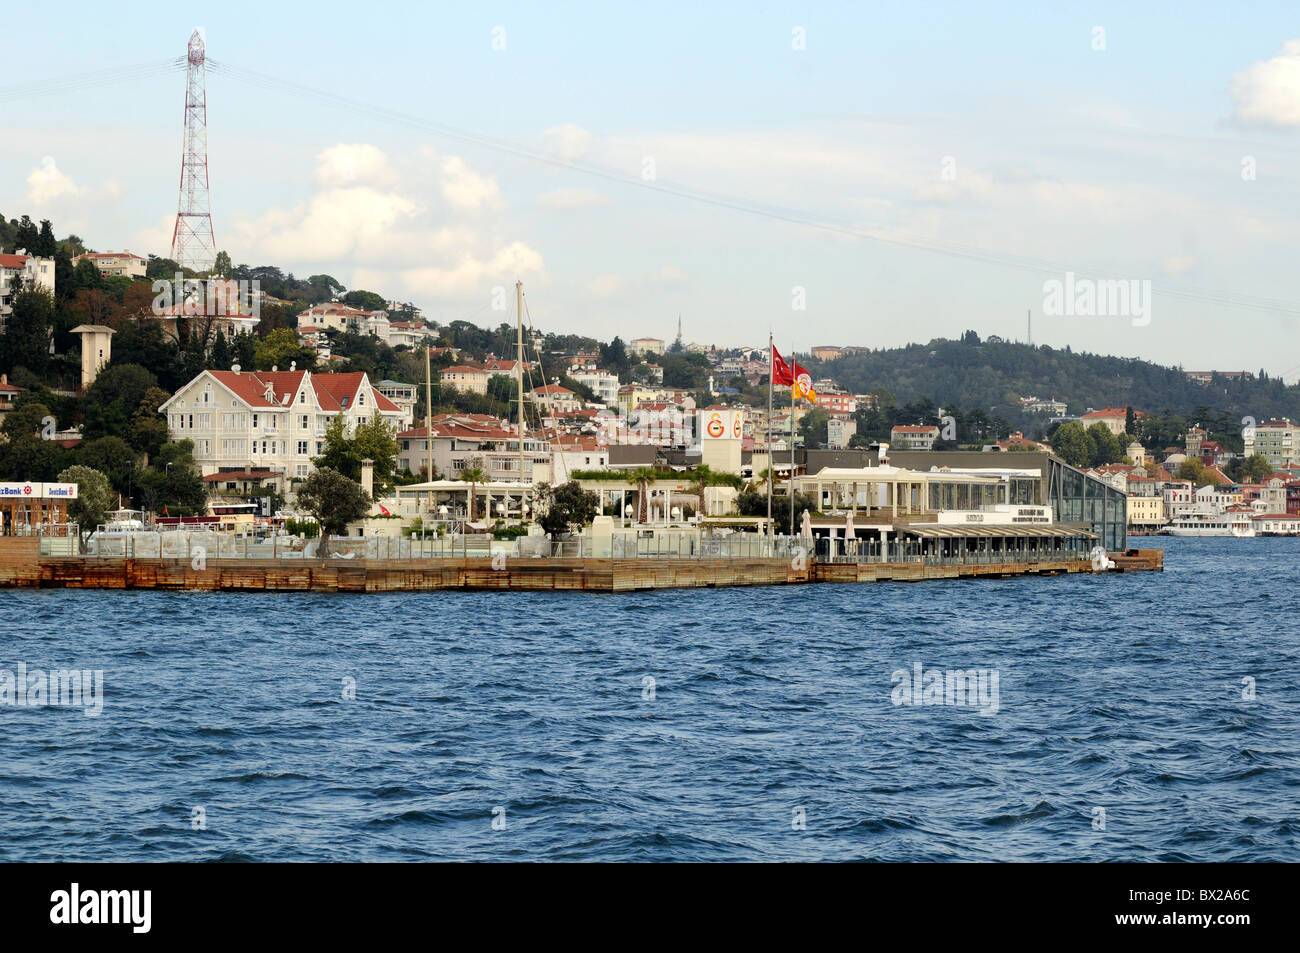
1211,524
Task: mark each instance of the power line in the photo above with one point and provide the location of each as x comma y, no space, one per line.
749,207
94,79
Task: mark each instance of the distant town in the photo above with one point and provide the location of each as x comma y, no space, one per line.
239,387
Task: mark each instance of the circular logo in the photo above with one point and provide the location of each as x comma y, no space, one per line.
27,490
716,427
735,426
805,383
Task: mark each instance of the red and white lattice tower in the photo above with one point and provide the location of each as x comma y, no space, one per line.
192,243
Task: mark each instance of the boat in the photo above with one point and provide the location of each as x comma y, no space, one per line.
1234,524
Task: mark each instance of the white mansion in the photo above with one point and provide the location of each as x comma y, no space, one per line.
268,424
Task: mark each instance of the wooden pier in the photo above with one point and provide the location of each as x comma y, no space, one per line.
21,565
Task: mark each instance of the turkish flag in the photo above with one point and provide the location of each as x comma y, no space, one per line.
781,373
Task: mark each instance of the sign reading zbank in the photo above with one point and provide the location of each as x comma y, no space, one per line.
38,491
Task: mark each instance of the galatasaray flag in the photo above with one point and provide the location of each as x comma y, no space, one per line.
781,373
803,384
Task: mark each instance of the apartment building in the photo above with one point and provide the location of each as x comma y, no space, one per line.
913,437
115,263
601,383
1275,441
38,272
465,377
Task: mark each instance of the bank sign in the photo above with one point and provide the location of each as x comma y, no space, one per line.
38,491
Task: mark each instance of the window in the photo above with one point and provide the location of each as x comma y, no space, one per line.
304,422
302,448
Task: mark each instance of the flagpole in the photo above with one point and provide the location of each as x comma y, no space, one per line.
794,382
771,461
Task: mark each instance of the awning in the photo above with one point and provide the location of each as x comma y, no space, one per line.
1003,531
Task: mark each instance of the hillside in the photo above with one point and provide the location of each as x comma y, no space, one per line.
994,374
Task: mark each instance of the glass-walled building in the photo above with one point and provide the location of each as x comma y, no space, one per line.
1028,479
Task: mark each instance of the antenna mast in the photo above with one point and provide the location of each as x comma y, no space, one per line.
192,243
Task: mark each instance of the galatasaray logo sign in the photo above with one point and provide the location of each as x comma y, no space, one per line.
803,385
716,427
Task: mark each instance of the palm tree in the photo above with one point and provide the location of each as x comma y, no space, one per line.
642,477
473,476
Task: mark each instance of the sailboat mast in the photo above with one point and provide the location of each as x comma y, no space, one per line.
519,380
428,421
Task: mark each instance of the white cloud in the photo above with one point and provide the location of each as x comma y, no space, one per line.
671,275
605,286
394,227
1268,93
47,183
567,141
353,164
564,199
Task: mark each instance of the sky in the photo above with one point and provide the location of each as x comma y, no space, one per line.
852,174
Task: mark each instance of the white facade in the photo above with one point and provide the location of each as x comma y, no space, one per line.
601,383
241,420
38,272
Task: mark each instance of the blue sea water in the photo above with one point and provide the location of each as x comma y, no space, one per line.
769,732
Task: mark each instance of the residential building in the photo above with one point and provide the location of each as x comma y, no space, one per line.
8,394
251,421
837,403
114,263
460,442
644,346
1145,512
465,377
913,437
839,430
601,383
826,352
404,396
1115,419
38,272
1275,441
555,399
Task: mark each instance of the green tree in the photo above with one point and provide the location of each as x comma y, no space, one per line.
333,499
1255,469
364,300
115,398
1194,470
94,499
278,349
26,338
45,246
113,457
566,506
1071,444
1103,446
372,439
221,267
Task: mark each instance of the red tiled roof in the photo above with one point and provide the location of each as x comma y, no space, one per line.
1106,412
13,261
911,429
